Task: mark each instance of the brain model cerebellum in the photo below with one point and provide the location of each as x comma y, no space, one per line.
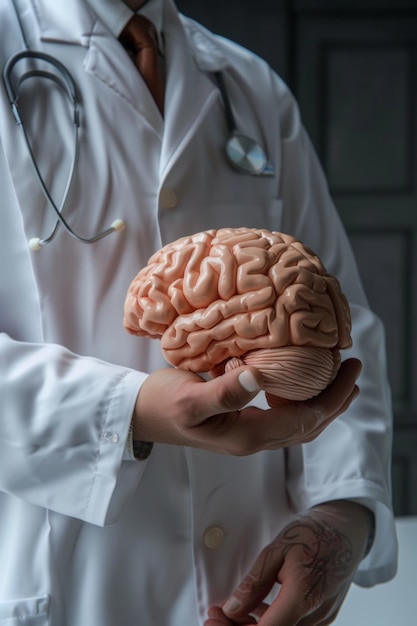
223,298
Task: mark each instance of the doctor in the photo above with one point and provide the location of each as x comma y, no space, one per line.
229,503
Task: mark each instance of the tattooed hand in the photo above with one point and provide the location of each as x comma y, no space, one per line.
314,559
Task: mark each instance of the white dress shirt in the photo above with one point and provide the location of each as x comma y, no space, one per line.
115,14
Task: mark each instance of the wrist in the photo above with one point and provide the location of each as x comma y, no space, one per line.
357,520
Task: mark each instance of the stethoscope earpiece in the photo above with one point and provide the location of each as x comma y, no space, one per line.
36,243
118,225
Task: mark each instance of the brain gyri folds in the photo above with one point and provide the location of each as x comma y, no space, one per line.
222,298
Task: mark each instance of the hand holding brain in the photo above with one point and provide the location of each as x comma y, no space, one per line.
228,297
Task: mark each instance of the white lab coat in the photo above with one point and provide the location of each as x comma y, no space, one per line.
88,538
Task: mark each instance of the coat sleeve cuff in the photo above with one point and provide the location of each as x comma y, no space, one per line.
114,481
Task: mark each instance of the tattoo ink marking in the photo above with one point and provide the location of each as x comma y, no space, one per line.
327,559
327,554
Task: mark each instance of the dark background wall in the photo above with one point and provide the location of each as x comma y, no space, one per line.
352,65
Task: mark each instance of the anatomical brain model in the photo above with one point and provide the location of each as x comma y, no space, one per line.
223,298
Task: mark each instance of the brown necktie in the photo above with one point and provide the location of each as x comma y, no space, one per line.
140,39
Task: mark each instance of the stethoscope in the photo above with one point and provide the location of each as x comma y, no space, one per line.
243,153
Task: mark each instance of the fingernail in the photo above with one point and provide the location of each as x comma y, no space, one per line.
232,605
248,381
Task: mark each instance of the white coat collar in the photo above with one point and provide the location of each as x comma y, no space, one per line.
115,14
56,24
186,73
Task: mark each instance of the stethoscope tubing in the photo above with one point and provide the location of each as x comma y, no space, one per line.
67,83
244,154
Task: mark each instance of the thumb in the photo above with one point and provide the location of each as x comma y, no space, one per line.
250,379
256,585
233,390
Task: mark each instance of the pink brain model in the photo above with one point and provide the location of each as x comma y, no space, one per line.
223,298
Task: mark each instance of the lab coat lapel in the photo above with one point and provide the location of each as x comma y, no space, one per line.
105,59
191,57
57,23
104,54
190,92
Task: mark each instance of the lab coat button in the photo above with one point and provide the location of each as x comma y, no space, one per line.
213,537
168,198
110,436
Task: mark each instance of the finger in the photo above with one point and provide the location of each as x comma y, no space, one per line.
240,432
344,407
292,607
311,417
304,435
282,612
330,401
275,401
289,607
226,393
323,425
256,585
297,424
233,390
218,618
260,610
344,371
292,603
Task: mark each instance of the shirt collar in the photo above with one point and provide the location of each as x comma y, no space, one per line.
115,14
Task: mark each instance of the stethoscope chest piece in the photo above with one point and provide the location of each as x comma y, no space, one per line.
245,154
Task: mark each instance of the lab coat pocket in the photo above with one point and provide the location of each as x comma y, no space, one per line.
27,611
